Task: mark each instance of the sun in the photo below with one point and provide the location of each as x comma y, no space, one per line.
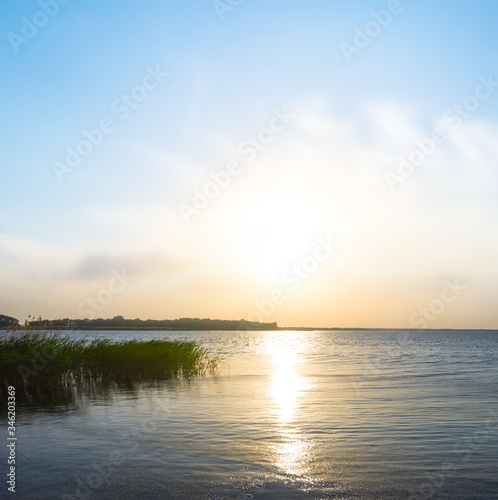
273,232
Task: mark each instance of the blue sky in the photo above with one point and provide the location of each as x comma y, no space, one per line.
121,206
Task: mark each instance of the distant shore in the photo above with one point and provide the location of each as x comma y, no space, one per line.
280,329
119,323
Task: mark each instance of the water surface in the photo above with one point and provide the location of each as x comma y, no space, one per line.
312,414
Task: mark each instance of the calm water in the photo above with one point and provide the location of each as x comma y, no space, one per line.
350,415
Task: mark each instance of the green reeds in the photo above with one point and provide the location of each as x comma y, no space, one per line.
38,359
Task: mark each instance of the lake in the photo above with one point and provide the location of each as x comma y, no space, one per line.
291,415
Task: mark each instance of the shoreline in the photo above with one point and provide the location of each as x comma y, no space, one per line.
290,328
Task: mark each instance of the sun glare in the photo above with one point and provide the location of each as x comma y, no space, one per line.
274,232
287,386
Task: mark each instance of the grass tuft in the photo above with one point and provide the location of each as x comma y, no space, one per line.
38,359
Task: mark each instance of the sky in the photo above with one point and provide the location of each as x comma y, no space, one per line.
312,163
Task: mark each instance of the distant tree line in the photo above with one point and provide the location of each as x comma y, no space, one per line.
118,322
6,321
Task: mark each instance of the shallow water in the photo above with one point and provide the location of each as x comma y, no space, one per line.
341,414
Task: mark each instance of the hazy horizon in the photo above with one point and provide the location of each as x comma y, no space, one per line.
308,164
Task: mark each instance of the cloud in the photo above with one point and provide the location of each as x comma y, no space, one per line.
98,266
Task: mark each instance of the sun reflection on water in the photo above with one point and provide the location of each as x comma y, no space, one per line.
288,390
